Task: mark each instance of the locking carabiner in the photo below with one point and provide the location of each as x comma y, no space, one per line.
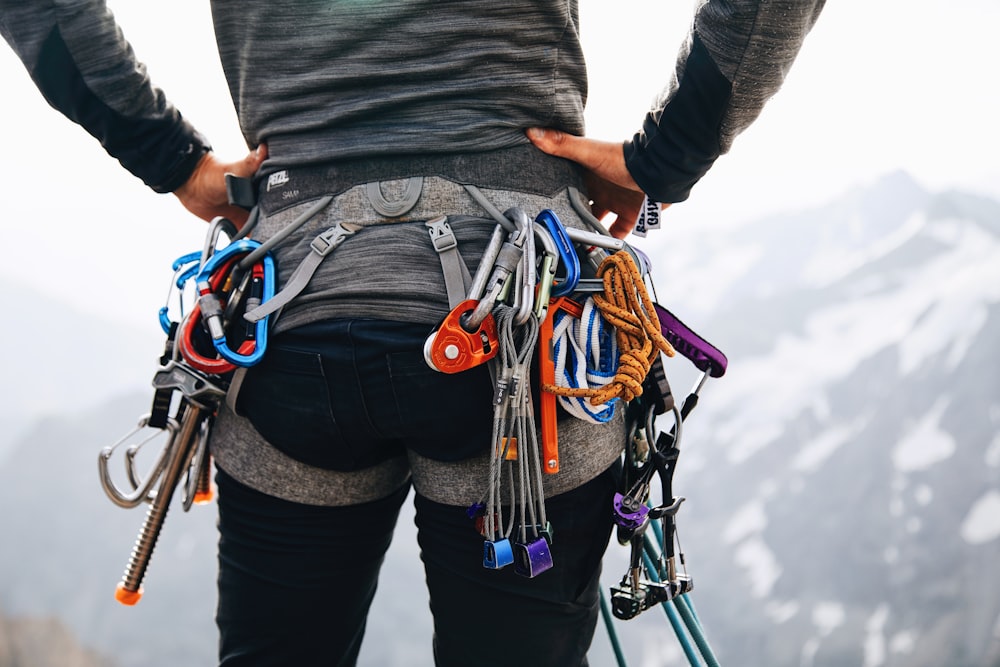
562,285
217,276
261,291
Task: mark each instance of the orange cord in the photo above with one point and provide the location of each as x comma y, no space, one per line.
626,306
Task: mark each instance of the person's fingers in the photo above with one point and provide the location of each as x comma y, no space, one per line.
204,194
604,158
620,229
249,165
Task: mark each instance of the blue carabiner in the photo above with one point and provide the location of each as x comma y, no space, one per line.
180,278
165,322
240,247
186,259
192,260
562,285
260,328
186,275
243,246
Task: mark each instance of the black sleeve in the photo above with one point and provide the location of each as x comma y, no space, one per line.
735,59
81,63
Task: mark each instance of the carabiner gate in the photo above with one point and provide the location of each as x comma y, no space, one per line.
562,285
215,276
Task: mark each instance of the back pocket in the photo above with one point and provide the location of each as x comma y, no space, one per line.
287,399
448,417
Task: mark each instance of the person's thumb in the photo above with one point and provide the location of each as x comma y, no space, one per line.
553,142
249,165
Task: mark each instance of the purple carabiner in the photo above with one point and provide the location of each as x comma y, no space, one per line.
705,356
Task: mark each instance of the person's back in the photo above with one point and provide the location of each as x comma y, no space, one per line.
321,82
404,128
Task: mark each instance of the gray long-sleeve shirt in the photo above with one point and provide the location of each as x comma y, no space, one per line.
329,82
325,81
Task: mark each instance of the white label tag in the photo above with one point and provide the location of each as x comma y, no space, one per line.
649,217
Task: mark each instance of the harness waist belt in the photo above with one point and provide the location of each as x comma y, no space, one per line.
521,169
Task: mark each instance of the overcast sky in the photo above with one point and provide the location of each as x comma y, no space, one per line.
880,85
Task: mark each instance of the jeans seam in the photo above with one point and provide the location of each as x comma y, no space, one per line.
357,373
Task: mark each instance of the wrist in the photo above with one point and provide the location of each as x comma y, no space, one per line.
188,162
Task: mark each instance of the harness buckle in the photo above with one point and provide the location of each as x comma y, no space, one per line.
441,234
326,242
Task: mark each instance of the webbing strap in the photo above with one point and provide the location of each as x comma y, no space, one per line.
457,278
586,352
235,385
321,246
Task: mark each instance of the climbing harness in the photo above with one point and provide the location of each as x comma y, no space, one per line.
572,304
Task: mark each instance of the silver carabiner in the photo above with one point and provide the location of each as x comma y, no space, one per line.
504,266
142,487
546,270
524,289
486,263
216,228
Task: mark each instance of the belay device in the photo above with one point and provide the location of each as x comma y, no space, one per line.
203,348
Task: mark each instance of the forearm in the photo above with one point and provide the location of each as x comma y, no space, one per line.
736,58
81,63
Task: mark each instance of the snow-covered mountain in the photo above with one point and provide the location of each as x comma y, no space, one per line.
844,476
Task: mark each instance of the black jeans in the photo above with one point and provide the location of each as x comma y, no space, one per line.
296,581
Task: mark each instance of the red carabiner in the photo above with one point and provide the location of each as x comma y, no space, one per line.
214,365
